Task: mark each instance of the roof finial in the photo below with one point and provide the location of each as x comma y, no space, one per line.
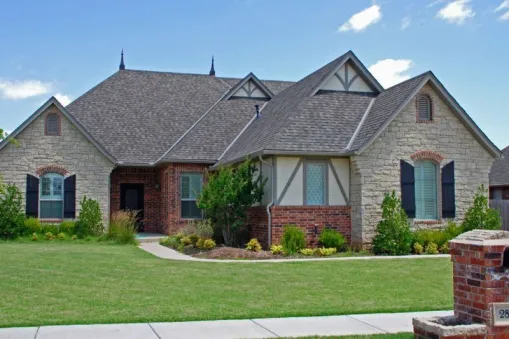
122,66
212,70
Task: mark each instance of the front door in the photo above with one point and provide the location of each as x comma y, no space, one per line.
131,198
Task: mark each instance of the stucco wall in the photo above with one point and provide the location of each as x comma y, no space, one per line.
376,171
71,150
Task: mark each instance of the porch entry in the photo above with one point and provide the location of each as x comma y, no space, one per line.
132,198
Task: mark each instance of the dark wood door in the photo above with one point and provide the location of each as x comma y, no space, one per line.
132,198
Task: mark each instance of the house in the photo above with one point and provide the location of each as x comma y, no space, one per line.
330,145
499,177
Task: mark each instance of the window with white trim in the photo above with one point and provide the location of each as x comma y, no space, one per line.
51,196
315,183
426,190
190,188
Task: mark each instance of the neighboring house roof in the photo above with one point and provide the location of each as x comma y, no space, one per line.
499,174
79,126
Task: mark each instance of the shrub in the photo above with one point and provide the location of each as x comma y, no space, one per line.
74,237
61,236
199,243
393,236
49,236
186,241
34,237
307,251
453,230
444,249
49,228
171,242
276,249
67,227
32,225
188,229
332,238
90,219
194,239
424,237
12,216
204,228
325,252
209,244
418,248
480,215
431,248
123,227
293,239
253,245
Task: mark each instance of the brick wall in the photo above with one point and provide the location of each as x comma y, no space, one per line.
307,217
258,223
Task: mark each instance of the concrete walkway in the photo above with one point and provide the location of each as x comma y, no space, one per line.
231,329
168,253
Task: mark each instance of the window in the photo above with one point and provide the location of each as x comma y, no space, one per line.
52,196
315,183
190,189
424,108
426,196
52,124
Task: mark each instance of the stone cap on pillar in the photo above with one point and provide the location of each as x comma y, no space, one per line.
483,238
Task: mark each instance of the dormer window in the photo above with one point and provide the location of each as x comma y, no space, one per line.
424,107
52,125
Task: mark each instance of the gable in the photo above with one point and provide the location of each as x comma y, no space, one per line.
346,79
250,90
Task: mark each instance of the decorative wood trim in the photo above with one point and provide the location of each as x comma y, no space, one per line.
336,177
290,180
51,169
427,155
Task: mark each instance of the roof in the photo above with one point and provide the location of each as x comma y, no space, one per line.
499,174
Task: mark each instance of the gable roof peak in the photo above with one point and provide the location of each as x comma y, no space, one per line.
259,85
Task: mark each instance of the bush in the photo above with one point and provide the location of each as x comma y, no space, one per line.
194,239
188,229
307,251
325,252
123,227
74,237
90,219
12,216
276,249
61,236
34,237
453,230
480,215
67,227
49,228
171,242
444,249
332,238
204,229
49,236
293,240
431,248
424,237
253,245
186,241
32,225
209,244
418,248
199,243
393,236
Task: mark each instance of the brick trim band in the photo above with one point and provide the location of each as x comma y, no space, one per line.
427,155
51,169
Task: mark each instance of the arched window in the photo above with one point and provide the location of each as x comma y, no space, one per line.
424,108
52,124
426,192
51,196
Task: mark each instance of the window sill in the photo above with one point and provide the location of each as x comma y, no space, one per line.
428,221
425,121
51,221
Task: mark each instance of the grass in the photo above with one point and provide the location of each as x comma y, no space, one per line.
372,336
45,283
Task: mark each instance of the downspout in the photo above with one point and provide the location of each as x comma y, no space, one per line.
269,214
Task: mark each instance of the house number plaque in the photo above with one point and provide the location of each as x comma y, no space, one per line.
501,314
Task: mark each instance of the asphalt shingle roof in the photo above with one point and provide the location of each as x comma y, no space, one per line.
499,174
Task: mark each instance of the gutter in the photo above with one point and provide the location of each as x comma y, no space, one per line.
269,214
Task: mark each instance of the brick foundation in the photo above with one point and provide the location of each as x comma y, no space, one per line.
258,223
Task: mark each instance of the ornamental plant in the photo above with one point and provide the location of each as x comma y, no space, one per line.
332,238
393,236
276,249
480,215
254,245
11,211
293,239
89,220
228,195
209,244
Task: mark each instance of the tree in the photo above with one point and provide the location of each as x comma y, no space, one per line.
480,215
228,195
5,135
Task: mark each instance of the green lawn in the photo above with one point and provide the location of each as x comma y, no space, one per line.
64,283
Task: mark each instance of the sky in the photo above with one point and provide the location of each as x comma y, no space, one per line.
64,48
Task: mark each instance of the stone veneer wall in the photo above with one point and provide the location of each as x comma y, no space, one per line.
71,150
377,170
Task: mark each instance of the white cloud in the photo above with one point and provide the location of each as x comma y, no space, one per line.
23,89
360,21
390,72
405,22
504,16
63,99
456,12
434,3
504,6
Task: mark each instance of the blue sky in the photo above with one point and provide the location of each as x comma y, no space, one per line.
64,48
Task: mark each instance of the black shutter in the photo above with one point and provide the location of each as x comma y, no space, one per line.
448,195
407,188
32,196
70,197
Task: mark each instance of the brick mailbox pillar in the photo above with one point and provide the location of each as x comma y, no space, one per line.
481,290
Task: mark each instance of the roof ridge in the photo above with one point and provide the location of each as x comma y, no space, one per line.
407,80
361,122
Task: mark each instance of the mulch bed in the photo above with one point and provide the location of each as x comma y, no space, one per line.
235,253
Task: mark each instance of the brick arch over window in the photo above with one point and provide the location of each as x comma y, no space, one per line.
52,124
51,169
424,108
427,155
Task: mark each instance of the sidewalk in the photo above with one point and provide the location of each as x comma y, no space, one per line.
168,253
230,329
